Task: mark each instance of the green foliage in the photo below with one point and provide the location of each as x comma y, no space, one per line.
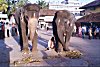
42,4
18,4
21,3
3,5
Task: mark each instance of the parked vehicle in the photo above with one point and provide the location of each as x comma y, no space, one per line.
3,20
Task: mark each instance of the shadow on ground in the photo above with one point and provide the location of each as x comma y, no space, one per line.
4,54
42,41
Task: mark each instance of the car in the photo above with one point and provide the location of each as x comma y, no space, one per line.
3,20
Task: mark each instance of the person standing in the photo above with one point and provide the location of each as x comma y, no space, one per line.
83,31
95,34
7,29
90,33
80,32
12,25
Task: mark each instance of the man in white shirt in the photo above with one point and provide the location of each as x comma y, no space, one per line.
11,23
50,43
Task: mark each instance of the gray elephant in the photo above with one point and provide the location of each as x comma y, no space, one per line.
27,18
63,24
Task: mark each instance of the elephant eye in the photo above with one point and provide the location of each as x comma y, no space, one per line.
26,17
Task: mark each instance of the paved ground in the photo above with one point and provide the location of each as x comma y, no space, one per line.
10,52
90,49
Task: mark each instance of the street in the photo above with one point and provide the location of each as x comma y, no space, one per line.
10,51
90,49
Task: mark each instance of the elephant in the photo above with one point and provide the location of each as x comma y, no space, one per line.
63,24
26,18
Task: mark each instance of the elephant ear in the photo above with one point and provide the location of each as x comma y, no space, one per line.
72,21
17,15
72,18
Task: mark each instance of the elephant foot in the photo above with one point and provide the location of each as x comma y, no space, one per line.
58,50
66,49
34,50
25,51
21,49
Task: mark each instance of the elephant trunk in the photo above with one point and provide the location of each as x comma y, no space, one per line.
32,24
62,37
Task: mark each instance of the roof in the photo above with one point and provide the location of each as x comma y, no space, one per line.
47,12
93,17
91,4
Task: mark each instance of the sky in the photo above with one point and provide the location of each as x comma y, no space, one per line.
83,1
86,1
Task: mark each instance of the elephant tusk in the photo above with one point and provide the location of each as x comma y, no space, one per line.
68,22
34,14
64,34
64,37
71,24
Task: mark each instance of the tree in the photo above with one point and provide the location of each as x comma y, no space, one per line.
42,4
3,6
17,4
21,3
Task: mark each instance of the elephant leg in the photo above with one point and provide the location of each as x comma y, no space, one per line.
21,42
60,48
34,42
67,39
66,46
61,39
20,36
61,42
24,37
56,43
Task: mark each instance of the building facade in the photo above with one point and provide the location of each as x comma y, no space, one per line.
91,14
71,5
92,7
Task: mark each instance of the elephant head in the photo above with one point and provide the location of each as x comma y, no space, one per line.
31,15
27,18
63,24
